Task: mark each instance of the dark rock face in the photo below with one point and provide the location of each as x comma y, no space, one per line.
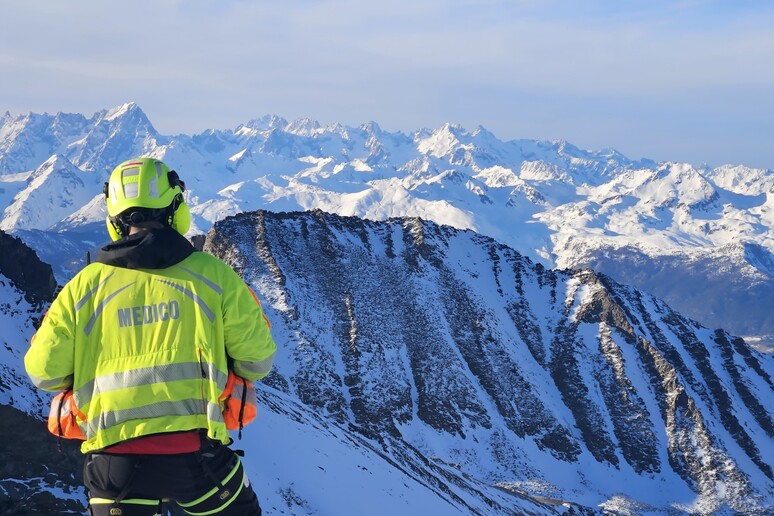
35,477
405,324
21,265
629,415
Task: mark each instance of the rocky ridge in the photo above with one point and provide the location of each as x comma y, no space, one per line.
408,330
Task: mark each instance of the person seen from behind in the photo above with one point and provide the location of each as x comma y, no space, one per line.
146,345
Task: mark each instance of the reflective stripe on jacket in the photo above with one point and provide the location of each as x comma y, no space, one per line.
146,350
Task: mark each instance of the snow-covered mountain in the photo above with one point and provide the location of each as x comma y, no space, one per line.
561,384
302,462
58,187
700,238
428,370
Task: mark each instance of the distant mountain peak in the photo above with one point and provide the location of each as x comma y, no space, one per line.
262,124
442,141
304,127
128,114
371,128
122,110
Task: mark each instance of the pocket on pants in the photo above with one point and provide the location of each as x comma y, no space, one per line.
108,475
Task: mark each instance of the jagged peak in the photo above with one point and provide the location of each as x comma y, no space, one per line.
55,162
441,141
483,132
341,130
123,109
129,113
452,127
303,127
567,150
23,121
371,128
263,124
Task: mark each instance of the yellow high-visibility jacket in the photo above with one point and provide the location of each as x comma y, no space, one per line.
147,351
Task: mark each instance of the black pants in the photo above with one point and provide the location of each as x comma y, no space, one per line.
134,485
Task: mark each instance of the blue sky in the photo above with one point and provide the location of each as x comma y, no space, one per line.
687,80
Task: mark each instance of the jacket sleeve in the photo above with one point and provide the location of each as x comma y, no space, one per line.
247,332
50,360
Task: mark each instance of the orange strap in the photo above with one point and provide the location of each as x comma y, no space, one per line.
64,415
240,404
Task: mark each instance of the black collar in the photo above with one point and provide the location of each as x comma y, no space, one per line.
150,249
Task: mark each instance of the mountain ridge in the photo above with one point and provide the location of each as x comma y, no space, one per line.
607,378
423,368
559,205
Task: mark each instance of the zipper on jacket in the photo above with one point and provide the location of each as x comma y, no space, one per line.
204,377
201,363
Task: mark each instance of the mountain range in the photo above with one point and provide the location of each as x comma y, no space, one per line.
466,325
700,238
424,369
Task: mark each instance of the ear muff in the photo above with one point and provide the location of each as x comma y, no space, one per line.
181,219
113,229
180,214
